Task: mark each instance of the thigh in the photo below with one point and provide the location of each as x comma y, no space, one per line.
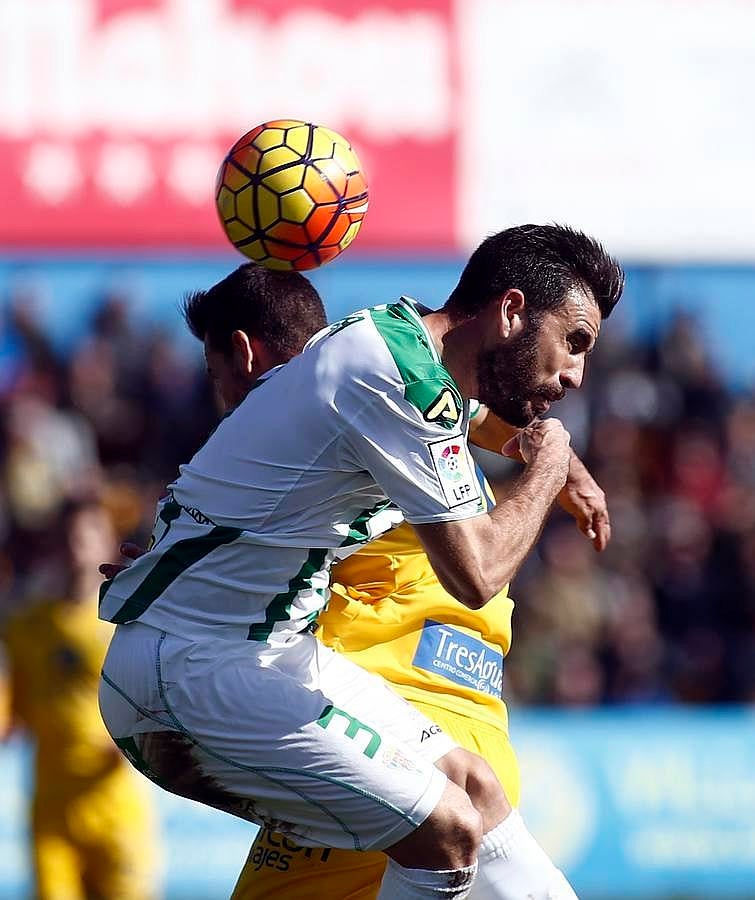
309,744
57,869
279,869
117,838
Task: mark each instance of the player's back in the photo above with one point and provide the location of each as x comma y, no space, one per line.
243,543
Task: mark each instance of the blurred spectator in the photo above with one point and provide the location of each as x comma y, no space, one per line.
25,350
92,828
683,356
118,420
49,455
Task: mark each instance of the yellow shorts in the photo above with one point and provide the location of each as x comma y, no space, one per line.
279,869
98,841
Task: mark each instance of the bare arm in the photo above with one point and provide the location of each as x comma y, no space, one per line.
582,497
475,558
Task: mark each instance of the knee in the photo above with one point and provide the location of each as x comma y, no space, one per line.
448,839
459,827
471,773
479,782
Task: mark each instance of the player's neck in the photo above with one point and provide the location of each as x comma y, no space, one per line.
437,324
452,341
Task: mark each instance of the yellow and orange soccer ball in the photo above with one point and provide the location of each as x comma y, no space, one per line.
291,195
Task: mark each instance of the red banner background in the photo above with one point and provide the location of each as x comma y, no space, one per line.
115,114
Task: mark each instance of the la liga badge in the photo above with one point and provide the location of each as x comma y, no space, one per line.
454,470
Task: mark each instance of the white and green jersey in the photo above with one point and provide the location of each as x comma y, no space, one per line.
300,471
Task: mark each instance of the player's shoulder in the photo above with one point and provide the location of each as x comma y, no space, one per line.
426,382
394,329
389,347
399,326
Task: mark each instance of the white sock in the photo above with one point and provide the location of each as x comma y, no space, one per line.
416,884
513,866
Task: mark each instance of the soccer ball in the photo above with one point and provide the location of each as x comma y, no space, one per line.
291,195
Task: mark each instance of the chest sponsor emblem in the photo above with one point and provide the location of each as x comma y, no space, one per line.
453,654
395,758
454,470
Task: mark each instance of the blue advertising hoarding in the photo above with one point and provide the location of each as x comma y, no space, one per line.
632,803
643,802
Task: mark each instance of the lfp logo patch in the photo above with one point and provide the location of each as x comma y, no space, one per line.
449,462
459,657
456,475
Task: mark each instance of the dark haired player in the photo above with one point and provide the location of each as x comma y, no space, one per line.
213,677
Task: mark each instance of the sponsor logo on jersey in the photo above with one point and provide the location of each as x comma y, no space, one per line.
446,406
277,852
450,462
427,733
395,758
199,517
459,657
455,472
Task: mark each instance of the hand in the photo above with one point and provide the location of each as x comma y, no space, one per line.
583,498
127,549
543,439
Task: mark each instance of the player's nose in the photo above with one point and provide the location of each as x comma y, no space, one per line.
572,375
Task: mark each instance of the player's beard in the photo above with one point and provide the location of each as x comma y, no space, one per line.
506,380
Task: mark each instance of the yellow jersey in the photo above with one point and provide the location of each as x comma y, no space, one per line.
390,615
55,651
92,822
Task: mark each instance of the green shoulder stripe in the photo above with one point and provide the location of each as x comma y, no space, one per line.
176,560
428,385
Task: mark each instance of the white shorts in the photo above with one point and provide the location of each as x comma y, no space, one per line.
300,740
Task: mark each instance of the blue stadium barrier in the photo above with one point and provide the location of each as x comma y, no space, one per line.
633,803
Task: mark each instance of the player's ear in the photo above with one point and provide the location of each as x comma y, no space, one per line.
242,353
511,313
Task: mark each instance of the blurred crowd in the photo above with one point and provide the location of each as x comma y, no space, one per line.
112,416
666,614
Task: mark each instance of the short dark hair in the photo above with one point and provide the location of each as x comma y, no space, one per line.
282,309
544,262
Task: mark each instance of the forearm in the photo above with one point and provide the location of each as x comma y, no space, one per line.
490,550
577,469
515,524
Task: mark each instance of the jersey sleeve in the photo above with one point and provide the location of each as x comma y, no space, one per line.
418,453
